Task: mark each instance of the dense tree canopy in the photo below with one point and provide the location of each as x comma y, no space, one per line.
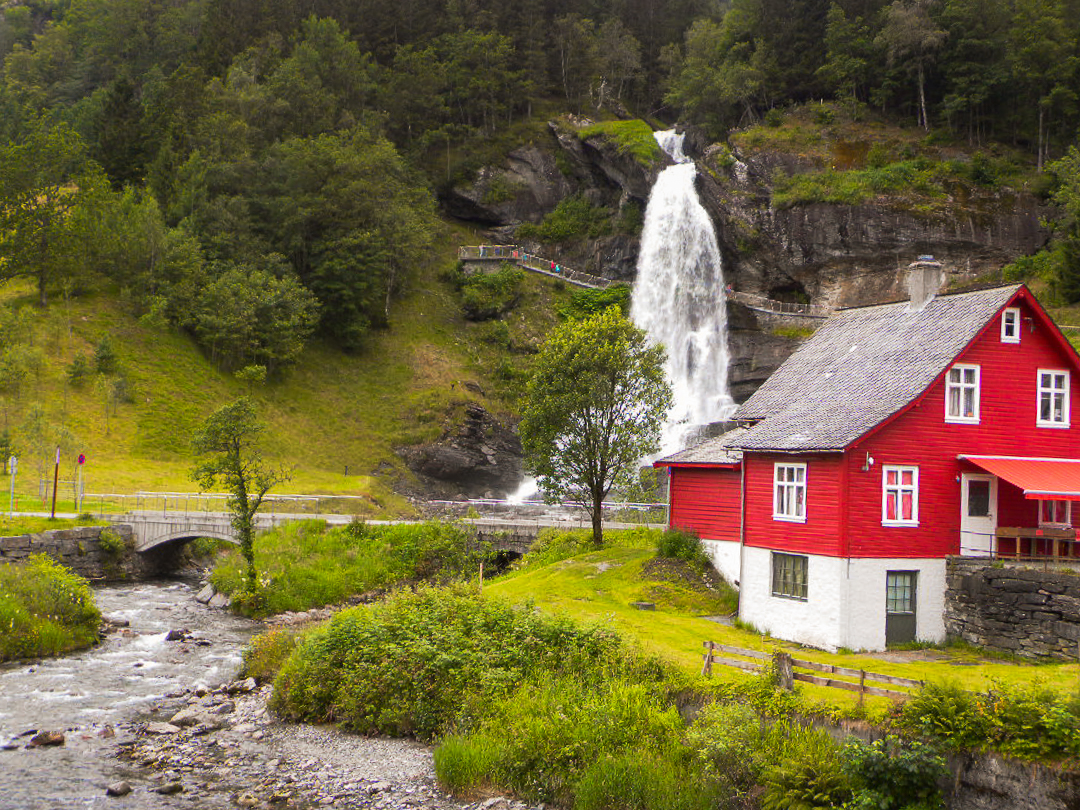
170,148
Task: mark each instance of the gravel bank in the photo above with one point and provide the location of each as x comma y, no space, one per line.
224,749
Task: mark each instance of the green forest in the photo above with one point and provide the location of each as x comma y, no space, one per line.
256,173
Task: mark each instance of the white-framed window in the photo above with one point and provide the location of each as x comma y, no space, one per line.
899,495
789,575
789,492
1055,513
962,394
1010,325
1053,399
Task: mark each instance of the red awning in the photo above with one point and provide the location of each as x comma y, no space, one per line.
1040,478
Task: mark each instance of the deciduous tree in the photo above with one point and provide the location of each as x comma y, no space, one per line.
594,407
228,446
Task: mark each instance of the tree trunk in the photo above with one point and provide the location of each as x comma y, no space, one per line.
922,101
597,519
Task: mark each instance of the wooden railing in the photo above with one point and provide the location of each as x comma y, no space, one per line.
1060,542
787,670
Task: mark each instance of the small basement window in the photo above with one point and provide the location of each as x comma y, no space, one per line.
789,575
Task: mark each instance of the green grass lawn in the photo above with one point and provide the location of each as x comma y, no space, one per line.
602,585
331,413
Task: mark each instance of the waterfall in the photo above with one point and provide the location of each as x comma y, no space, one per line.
679,301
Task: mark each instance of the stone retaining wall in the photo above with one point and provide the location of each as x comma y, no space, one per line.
80,550
1030,612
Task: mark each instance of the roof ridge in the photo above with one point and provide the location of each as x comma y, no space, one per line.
946,294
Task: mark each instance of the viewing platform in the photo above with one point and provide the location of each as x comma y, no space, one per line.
532,263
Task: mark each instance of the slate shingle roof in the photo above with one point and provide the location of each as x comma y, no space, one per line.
716,450
862,366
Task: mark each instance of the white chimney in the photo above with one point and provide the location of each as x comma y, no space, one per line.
925,277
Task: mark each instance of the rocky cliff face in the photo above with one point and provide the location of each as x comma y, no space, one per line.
850,255
831,254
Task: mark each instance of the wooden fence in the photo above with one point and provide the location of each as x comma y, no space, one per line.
788,672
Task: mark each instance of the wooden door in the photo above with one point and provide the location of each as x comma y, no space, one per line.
901,591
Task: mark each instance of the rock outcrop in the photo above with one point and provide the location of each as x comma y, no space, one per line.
477,456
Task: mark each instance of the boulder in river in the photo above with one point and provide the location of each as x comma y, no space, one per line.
47,738
118,789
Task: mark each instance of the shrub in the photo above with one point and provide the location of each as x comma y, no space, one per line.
892,774
685,546
79,371
573,218
45,609
488,295
1030,721
585,303
111,543
420,663
266,653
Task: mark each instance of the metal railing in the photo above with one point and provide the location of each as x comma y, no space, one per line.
529,261
763,304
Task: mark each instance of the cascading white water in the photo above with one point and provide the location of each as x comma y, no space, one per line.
678,298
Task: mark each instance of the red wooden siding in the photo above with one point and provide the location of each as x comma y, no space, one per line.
820,534
921,437
706,500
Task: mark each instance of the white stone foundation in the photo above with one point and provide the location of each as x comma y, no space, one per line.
845,604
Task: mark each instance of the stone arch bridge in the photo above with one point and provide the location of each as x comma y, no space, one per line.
156,529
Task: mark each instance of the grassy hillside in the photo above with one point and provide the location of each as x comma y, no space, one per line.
331,412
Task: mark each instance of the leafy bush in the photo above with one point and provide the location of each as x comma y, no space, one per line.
892,774
1029,721
488,295
266,653
573,218
305,564
420,663
744,749
585,303
45,609
686,546
111,543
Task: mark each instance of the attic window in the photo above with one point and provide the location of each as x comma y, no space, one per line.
1010,325
962,394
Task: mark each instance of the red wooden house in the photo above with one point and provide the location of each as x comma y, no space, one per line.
895,436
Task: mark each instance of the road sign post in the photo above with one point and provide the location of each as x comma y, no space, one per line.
13,466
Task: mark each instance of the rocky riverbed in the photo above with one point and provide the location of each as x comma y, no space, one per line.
226,748
151,718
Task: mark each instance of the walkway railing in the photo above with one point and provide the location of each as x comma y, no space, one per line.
531,262
763,304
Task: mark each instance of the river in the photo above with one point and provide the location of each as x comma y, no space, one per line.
112,685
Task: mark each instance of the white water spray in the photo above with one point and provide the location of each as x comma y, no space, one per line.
679,298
